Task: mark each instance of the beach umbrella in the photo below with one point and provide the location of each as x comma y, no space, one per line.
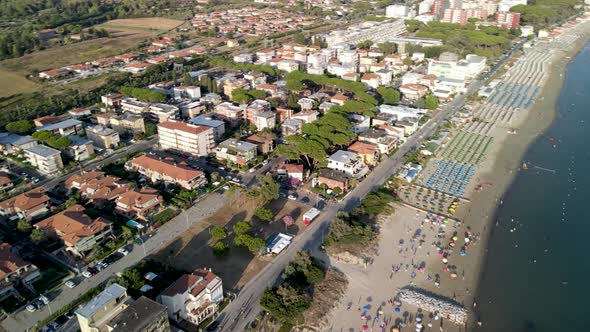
365,327
418,319
397,310
366,308
467,240
444,260
453,275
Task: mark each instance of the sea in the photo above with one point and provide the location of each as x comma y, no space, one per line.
536,277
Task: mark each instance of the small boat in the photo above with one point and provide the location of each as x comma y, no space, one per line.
524,166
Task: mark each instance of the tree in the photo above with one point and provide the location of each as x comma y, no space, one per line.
264,214
257,94
37,235
431,102
407,61
299,38
23,225
187,79
218,233
268,188
390,96
242,227
150,129
294,85
388,47
240,97
365,45
220,249
20,127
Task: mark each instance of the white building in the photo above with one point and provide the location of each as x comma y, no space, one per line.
459,70
243,58
187,92
527,30
208,121
159,112
505,5
402,112
236,151
377,32
181,136
80,149
288,65
348,163
265,119
193,297
398,11
47,160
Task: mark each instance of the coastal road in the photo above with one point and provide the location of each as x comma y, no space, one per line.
245,308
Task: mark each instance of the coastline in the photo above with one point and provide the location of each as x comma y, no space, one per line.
373,283
506,158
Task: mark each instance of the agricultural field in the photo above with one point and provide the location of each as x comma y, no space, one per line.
14,83
159,24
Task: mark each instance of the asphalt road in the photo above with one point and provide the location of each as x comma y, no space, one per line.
245,308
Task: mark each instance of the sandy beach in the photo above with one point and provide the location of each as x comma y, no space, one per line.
373,286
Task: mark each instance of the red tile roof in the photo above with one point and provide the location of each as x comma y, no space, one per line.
73,224
26,201
183,126
9,260
194,283
166,167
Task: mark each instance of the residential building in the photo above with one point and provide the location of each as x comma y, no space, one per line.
193,297
333,179
291,127
306,116
78,232
45,120
93,316
507,20
5,182
128,123
103,137
243,58
229,85
283,114
80,112
392,131
378,32
53,74
339,99
181,136
163,112
413,91
192,108
397,11
359,122
47,160
134,106
505,5
385,143
142,315
263,120
401,111
306,104
371,80
64,128
97,187
462,16
138,204
236,151
293,171
14,144
527,30
187,92
459,70
211,99
368,151
264,142
348,163
29,205
229,112
112,100
208,121
168,171
14,270
81,148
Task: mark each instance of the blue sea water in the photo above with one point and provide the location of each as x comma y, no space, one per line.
537,277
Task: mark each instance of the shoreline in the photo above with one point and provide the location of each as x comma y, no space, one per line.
374,283
505,162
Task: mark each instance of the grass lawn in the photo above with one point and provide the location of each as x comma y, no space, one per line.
14,83
143,23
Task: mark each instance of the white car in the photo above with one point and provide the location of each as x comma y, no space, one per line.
44,299
87,274
252,170
236,180
292,197
31,308
70,284
123,251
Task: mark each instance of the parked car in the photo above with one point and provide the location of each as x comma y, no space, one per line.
212,327
31,308
292,197
44,299
88,273
70,284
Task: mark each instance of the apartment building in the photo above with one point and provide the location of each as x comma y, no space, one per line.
208,121
189,138
94,315
142,315
81,148
507,20
168,171
64,128
348,163
128,123
45,159
159,112
231,113
14,144
236,151
103,137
